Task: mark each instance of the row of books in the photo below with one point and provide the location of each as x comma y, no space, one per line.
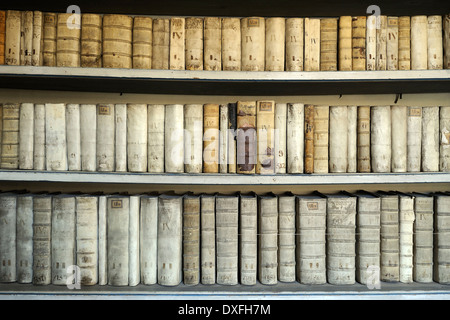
232,44
169,239
244,137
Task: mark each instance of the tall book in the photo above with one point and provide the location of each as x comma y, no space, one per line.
39,137
404,43
295,137
68,44
321,122
380,138
328,44
441,265
170,239
24,238
121,142
248,244
268,239
105,144
1,130
12,37
309,138
406,218
142,42
88,137
42,233
435,42
399,116
381,62
419,42
359,43
232,137
253,44
91,40
414,139
227,244
294,44
211,138
208,239
312,45
2,36
338,139
231,44
275,44
155,139
8,237
246,143
430,139
134,265
55,137
212,43
371,42
352,138
117,41
73,137
27,48
280,135
345,43
194,43
363,139
193,138
38,39
137,134
444,139
26,136
191,240
102,240
286,238
223,138
49,43
446,25
148,234
265,122
177,43
174,138
161,43
10,136
392,43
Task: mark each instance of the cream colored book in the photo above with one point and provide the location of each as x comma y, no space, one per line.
444,139
371,43
161,42
248,228
381,138
321,123
2,36
142,42
430,139
91,40
414,139
294,44
24,238
404,43
55,137
295,137
363,139
102,240
441,268
419,42
12,37
121,154
232,137
435,42
352,138
155,139
137,134
381,62
253,44
177,44
73,137
49,43
22,39
399,116
8,237
38,40
105,144
275,44
212,43
68,42
286,238
328,44
446,25
10,136
406,218
208,239
194,43
231,44
392,44
345,43
265,122
268,239
134,266
359,43
148,234
280,135
174,138
191,240
312,45
88,137
338,139
26,136
223,138
211,138
309,138
117,41
42,233
246,142
39,162
193,138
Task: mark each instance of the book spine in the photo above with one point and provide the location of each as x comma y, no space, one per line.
55,137
212,44
321,122
275,44
280,137
328,44
22,39
42,233
253,44
404,43
2,36
381,62
246,144
160,45
49,43
102,241
73,136
223,138
194,43
419,42
177,44
446,44
359,43
12,37
174,138
309,138
390,239
105,142
27,49
423,240
26,136
38,33
211,138
286,239
265,122
24,242
1,130
149,239
39,138
191,240
88,137
295,137
430,139
155,139
441,272
380,138
142,42
444,139
193,137
117,41
10,136
435,43
399,116
414,139
338,139
371,43
120,121
134,267
208,239
392,43
249,238
232,137
312,45
8,238
406,218
352,138
268,240
363,137
345,43
68,44
294,44
137,134
231,44
91,40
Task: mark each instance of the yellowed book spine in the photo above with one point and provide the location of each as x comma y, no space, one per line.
91,40
142,42
231,44
2,36
371,43
27,23
38,34
12,37
321,121
253,44
404,43
211,138
177,43
381,63
117,41
419,42
294,44
67,43
363,139
309,138
246,137
392,44
435,44
446,41
328,44
10,136
359,43
345,43
49,44
212,43
275,44
161,40
265,124
312,44
194,43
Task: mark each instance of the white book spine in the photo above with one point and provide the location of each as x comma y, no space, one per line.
280,137
137,137
174,138
406,217
423,239
294,44
73,134
155,138
249,239
102,241
26,136
253,44
419,43
399,131
286,238
193,138
120,111
223,138
231,44
371,43
208,240
392,44
24,241
441,272
134,275
42,226
149,239
352,120
430,139
88,137
338,139
8,237
435,42
380,138
414,139
105,140
381,62
213,44
39,162
444,139
55,137
268,240
390,239
275,44
295,137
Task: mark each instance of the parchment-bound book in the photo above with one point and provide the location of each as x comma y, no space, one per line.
363,139
142,42
193,138
191,240
430,139
24,238
208,239
309,138
39,138
194,43
404,43
265,122
345,43
341,239
10,136
8,237
177,44
399,116
328,44
88,237
321,122
1,130
311,239
286,238
227,224
170,240
352,138
275,44
268,239
55,137
359,42
155,139
406,218
42,235
2,36
312,45
295,137
211,138
134,265
118,224
435,42
148,236
137,134
414,139
441,265
231,44
161,42
280,135
444,139
38,40
91,40
223,138
49,43
381,62
253,44
22,39
121,144
380,138
63,237
117,41
392,43
419,42
68,42
294,44
212,43
174,138
232,137
371,42
73,135
26,136
246,143
446,26
12,37
105,142
27,49
102,240
338,139
88,137
248,244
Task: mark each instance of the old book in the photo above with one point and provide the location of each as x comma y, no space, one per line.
134,265
441,254
49,43
294,44
295,137
26,136
105,144
338,139
211,138
310,239
27,49
88,137
38,39
309,138
118,223
223,138
371,42
430,139
446,26
352,138
148,236
345,43
404,43
280,136
312,45
161,42
399,116
177,44
55,137
381,62
380,138
73,137
63,237
1,130
265,122
227,224
253,44
232,136
419,42
39,162
170,240
12,37
246,143
8,237
121,154
286,238
363,139
406,218
414,139
392,43
275,44
268,239
137,135
102,240
117,41
142,42
191,240
321,121
42,233
435,42
444,139
91,40
10,136
155,139
231,44
359,43
212,43
193,138
24,238
2,36
208,239
88,238
174,138
328,44
194,43
68,44
248,245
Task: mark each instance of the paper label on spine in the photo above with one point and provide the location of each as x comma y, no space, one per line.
415,112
